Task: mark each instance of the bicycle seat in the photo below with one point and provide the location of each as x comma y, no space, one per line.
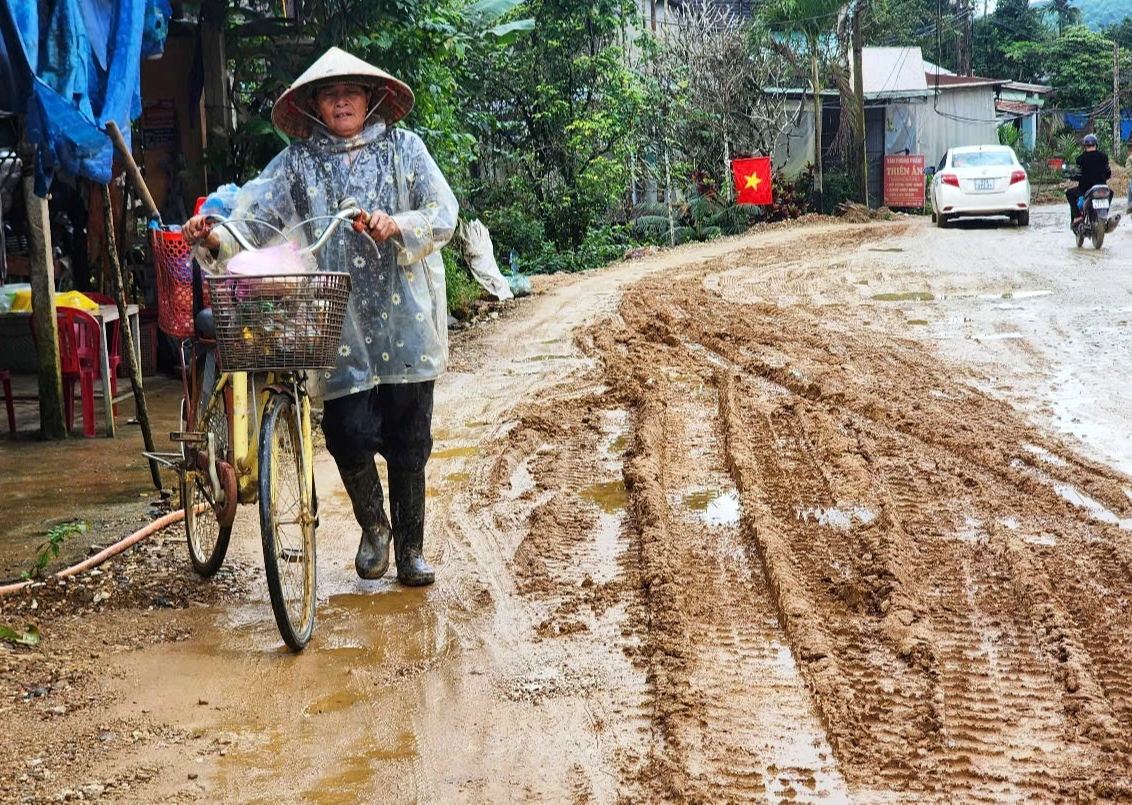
206,325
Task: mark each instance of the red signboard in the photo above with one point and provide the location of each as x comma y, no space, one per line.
904,180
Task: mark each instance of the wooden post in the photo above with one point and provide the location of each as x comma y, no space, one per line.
217,102
127,340
859,146
52,422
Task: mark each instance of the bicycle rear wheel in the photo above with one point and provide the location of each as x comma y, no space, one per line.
207,538
287,523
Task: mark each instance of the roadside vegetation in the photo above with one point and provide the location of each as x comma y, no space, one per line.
579,130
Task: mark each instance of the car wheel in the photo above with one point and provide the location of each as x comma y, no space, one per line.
935,218
1022,218
942,221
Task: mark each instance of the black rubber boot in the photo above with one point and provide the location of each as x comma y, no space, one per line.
407,507
363,484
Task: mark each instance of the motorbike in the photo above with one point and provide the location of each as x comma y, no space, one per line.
1095,220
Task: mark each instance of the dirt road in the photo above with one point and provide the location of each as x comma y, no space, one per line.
836,514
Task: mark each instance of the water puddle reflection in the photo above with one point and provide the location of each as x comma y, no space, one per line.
714,506
610,497
457,452
909,296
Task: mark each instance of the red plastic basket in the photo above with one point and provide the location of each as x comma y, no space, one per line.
174,261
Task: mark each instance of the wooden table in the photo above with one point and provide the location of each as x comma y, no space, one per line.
107,314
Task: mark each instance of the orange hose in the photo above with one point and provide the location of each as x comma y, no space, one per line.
102,556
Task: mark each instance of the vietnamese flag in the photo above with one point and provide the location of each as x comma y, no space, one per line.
752,180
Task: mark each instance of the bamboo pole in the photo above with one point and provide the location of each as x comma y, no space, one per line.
127,340
52,422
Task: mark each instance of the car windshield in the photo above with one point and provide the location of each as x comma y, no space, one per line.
982,159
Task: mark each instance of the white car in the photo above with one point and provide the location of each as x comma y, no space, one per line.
979,180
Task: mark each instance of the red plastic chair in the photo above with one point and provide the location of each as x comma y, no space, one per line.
79,360
6,380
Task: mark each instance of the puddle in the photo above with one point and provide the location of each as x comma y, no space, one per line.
888,249
917,322
331,704
1096,509
534,358
997,336
620,444
611,497
457,452
836,517
713,506
431,492
458,477
910,296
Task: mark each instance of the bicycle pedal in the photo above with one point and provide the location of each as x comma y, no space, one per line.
188,436
292,556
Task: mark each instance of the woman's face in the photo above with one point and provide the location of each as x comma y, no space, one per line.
342,108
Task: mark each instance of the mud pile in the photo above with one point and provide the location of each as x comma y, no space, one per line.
916,593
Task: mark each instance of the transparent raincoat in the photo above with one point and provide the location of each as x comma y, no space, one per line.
396,327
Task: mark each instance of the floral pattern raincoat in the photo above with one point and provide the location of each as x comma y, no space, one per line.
396,327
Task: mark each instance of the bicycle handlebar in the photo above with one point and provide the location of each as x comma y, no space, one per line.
348,210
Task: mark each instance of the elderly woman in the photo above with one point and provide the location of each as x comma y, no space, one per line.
378,399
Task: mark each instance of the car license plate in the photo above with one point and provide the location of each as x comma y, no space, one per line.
984,184
1100,203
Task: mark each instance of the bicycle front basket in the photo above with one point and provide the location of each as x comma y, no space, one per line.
278,321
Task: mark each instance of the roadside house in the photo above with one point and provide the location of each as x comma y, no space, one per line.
911,107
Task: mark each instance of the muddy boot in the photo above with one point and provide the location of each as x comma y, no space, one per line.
407,506
364,487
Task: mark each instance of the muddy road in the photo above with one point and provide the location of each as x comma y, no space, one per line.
832,514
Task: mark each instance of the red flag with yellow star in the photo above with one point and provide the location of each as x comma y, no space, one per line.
752,180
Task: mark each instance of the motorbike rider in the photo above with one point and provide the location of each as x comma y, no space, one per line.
1094,170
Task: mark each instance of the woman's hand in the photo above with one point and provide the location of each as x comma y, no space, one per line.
381,227
198,230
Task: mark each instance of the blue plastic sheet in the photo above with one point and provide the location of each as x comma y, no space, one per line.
71,67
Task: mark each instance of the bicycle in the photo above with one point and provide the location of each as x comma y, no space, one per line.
265,331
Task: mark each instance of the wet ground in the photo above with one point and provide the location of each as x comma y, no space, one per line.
104,482
831,514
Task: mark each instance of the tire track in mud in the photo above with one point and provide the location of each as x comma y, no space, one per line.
735,720
874,485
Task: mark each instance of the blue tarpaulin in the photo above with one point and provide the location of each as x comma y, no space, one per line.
71,66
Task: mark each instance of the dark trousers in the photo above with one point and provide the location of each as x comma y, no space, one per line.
394,420
1073,194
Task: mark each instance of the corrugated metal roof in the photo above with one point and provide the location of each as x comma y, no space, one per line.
944,81
1016,107
893,70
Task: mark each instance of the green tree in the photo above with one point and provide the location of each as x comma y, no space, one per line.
806,25
557,114
1078,65
1063,11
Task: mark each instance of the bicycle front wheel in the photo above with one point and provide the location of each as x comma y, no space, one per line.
287,522
207,538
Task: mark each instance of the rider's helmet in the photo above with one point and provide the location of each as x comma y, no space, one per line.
1090,139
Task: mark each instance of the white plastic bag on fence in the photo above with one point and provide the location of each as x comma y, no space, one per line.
481,259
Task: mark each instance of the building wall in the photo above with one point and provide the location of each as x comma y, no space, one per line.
171,133
953,118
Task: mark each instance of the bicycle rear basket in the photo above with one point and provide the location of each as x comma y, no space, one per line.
174,262
278,321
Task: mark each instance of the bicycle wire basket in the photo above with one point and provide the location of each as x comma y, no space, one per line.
278,321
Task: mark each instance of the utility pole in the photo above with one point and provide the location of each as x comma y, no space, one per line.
859,140
1116,101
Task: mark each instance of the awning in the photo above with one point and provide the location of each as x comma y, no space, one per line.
72,66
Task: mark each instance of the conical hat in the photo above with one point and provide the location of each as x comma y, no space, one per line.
293,116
